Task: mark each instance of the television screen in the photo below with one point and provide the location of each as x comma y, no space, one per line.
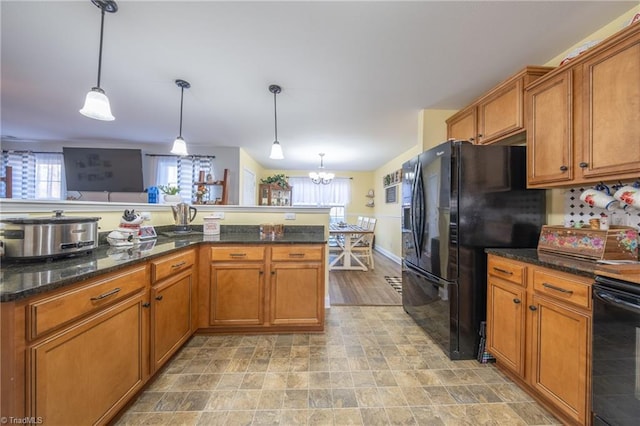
96,169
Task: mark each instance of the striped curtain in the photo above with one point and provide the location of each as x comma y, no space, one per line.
24,173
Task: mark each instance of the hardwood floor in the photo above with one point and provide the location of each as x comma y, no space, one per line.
370,288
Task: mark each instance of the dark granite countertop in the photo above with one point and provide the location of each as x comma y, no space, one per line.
553,261
20,279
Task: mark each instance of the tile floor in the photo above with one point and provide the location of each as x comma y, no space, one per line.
371,366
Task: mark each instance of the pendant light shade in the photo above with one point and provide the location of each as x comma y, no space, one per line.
276,148
179,145
96,104
321,177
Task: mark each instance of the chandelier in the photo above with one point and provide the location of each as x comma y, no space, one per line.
321,177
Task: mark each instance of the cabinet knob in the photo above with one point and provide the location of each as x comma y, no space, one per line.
516,300
159,297
480,135
584,165
146,304
533,308
471,139
563,168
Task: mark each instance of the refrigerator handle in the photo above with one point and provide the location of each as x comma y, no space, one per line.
417,208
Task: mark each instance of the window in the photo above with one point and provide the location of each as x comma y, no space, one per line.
181,171
36,175
336,195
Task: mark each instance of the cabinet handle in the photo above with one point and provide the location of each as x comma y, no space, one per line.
563,168
178,265
560,289
238,254
273,272
146,304
159,297
516,300
480,135
296,255
533,308
504,271
584,165
471,139
107,294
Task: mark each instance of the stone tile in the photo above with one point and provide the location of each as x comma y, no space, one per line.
344,398
298,380
185,382
415,396
392,397
240,418
213,418
406,378
401,416
363,379
384,378
374,416
157,418
246,400
271,399
368,397
163,382
294,417
238,365
275,381
217,366
461,394
170,401
299,364
320,398
267,417
194,401
252,381
220,400
296,398
347,416
439,395
320,417
483,393
531,413
427,416
146,401
341,379
207,381
230,381
319,380
509,392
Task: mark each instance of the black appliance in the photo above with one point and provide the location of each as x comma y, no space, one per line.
457,200
615,378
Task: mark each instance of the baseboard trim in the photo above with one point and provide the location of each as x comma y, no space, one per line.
389,255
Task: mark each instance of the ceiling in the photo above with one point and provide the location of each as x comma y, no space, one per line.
354,75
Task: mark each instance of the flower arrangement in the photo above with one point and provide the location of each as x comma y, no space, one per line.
169,189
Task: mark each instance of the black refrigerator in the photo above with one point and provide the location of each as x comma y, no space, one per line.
457,200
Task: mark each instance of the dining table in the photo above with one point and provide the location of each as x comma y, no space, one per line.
344,237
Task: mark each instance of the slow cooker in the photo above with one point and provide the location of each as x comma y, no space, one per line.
48,237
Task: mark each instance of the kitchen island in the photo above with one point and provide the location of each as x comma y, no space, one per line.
82,336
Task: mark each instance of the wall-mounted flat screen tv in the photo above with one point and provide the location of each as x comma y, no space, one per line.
102,169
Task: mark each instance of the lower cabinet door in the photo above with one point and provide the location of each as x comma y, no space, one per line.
505,323
237,295
559,356
297,294
170,317
84,375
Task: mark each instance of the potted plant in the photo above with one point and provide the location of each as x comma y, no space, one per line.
280,180
171,192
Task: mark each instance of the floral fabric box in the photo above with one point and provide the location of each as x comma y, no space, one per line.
616,243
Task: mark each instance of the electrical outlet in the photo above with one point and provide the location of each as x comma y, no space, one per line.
217,215
289,216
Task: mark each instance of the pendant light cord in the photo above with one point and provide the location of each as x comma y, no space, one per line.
181,102
100,51
275,114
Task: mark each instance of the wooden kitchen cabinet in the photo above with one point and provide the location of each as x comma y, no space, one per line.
497,115
543,339
242,299
582,118
297,285
173,305
237,286
86,371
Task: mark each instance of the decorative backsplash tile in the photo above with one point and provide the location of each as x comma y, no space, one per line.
577,211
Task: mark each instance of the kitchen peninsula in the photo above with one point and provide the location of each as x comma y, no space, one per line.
104,323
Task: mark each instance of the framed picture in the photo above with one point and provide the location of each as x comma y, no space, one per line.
391,194
147,231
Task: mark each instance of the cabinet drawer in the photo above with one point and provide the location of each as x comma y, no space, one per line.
283,253
506,270
53,312
237,254
562,288
169,265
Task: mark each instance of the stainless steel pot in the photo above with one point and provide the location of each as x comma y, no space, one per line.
52,236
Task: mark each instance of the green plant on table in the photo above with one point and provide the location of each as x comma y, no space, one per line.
169,189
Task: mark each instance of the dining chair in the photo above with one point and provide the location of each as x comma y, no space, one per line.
364,248
359,221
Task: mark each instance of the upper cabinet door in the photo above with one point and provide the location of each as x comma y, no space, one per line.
500,113
549,131
611,111
462,125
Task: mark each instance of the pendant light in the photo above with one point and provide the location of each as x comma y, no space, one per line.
96,104
179,145
276,148
321,177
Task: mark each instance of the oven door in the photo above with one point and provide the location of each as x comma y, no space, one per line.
616,353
